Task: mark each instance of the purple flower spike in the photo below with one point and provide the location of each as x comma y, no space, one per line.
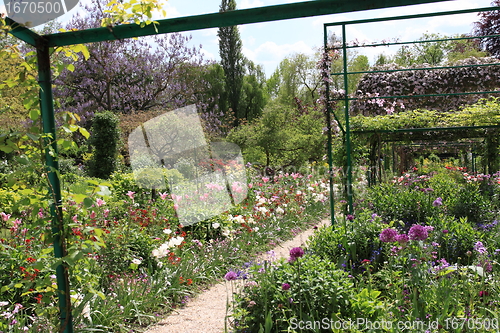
388,235
438,202
418,232
231,276
296,252
402,239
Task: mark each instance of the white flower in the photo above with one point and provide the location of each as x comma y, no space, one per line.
226,232
162,251
239,219
215,225
136,261
167,231
251,220
256,229
299,192
280,210
175,241
263,210
4,303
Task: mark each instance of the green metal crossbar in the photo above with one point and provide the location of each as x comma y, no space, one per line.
419,68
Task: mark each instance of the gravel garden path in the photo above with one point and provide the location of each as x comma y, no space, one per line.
206,312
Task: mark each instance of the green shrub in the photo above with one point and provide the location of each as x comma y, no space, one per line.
455,236
349,244
316,290
104,140
470,203
410,204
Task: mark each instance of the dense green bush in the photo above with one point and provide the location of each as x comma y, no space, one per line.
105,142
348,244
282,293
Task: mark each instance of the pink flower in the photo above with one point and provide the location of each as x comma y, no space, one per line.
418,232
163,195
106,212
438,202
100,202
236,187
231,276
40,213
402,239
176,206
131,194
5,217
75,218
93,215
265,179
388,235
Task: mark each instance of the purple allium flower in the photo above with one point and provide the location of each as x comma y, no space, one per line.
402,239
231,276
285,286
388,235
445,231
350,217
418,232
438,202
479,247
296,252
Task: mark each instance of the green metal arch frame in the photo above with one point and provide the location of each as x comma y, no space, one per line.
190,23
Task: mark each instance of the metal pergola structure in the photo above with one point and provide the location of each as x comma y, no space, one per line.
190,23
346,98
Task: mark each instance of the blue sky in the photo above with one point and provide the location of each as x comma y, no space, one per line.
269,43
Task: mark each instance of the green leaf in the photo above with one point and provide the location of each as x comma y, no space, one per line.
87,202
18,285
34,114
70,67
6,149
84,132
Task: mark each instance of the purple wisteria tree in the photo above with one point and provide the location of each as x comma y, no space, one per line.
132,75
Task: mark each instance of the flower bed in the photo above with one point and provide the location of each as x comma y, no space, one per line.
420,255
130,260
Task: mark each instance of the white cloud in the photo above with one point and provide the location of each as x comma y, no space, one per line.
172,11
207,55
271,54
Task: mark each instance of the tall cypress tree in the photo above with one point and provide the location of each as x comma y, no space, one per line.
232,61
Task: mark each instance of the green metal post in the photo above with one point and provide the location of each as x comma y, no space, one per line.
329,131
49,129
347,126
